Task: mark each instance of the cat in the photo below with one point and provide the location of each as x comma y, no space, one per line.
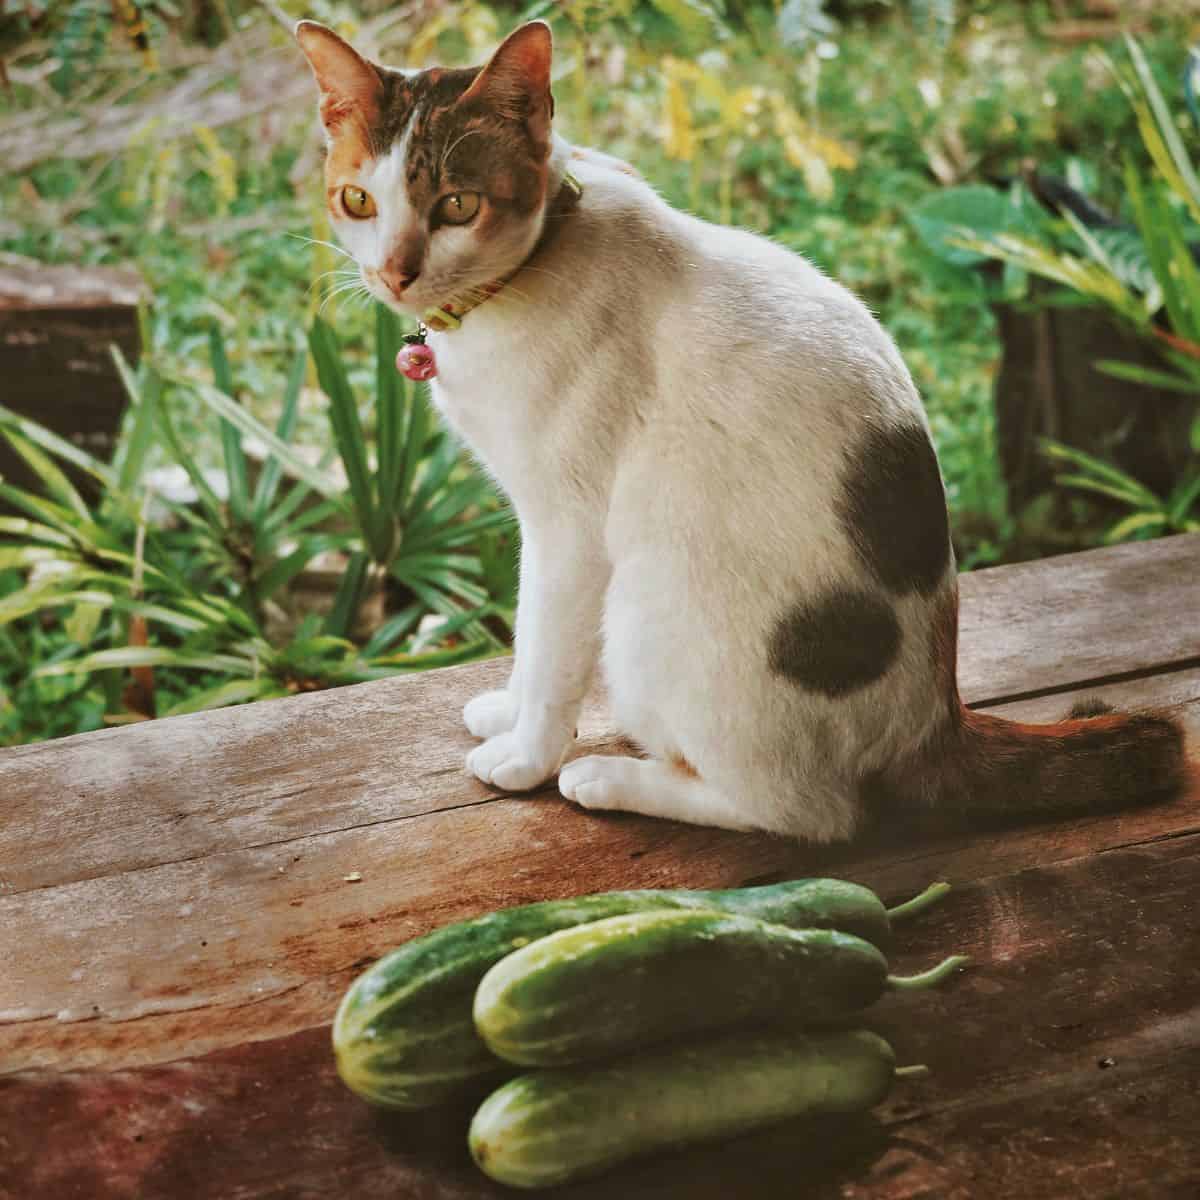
724,477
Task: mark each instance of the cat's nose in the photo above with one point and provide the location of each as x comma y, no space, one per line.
396,279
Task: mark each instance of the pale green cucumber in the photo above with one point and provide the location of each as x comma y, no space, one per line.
551,1127
628,981
403,1034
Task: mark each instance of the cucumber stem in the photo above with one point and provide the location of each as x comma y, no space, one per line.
930,978
913,1072
930,896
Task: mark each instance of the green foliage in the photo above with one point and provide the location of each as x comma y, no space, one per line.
825,135
411,504
1151,515
199,594
1147,276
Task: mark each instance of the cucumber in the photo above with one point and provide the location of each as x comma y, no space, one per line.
551,1127
403,1034
628,981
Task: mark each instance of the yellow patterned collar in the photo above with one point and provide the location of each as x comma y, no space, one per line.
450,315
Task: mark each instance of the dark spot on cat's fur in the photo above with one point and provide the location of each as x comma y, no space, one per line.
1089,706
406,97
839,642
468,146
893,508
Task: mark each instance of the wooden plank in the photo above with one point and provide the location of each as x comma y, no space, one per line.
1083,618
144,966
1089,961
264,774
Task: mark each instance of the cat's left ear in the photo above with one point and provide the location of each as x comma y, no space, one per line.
350,86
516,81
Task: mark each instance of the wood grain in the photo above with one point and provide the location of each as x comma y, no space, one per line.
264,774
1079,619
147,965
1072,1043
184,902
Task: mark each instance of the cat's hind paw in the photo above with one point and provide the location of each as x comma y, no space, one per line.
599,782
491,713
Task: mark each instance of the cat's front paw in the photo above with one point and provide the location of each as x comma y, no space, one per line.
511,763
491,713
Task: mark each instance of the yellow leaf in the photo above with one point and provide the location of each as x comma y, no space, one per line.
679,137
817,176
420,49
220,166
740,105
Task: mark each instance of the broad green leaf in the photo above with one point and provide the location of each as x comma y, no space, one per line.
697,20
973,209
49,474
231,437
392,630
209,500
146,656
390,394
246,422
1184,498
1136,373
59,447
1183,175
279,574
349,596
83,534
133,448
416,436
234,692
81,625
26,556
268,481
32,531
1137,523
430,659
348,434
1101,470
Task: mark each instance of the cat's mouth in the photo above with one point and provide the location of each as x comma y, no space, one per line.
405,300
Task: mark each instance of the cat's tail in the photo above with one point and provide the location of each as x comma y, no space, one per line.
984,770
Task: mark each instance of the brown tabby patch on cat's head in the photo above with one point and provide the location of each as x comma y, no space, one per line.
412,139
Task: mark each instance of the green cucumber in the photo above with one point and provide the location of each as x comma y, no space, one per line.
628,981
403,1034
551,1127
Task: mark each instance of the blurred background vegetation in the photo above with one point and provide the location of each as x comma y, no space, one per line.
1008,185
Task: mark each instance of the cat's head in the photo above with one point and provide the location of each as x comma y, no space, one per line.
435,180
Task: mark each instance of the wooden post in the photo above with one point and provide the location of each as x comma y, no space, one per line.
1048,386
56,326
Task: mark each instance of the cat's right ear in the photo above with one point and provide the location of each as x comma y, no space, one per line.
350,86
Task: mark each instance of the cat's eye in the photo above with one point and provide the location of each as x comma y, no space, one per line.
358,203
458,208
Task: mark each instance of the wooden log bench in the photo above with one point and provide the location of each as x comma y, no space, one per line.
182,904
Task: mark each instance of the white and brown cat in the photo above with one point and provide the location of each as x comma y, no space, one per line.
723,474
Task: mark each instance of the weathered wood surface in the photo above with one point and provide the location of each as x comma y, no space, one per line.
176,928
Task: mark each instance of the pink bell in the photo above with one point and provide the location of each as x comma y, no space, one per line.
416,361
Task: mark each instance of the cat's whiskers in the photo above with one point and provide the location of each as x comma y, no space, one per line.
317,242
340,274
353,286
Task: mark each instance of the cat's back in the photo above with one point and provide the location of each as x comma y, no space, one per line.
723,300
